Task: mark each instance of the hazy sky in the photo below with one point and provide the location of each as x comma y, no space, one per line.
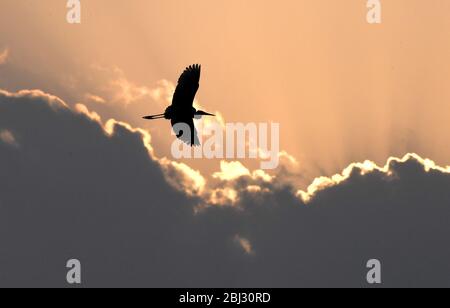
343,90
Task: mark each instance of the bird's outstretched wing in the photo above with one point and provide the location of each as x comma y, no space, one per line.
180,128
187,87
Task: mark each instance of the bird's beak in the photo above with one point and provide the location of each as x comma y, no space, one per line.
154,117
206,114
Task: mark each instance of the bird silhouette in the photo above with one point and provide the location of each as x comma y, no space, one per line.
182,110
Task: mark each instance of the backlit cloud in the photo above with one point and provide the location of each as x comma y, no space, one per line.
366,167
231,171
81,187
183,177
95,98
7,137
245,244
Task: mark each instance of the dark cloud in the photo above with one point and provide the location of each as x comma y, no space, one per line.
72,191
69,189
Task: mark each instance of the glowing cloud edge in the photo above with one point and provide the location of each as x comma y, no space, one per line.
322,183
194,177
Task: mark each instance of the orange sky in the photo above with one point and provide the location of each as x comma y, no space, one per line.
342,90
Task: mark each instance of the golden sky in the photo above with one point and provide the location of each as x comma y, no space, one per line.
342,90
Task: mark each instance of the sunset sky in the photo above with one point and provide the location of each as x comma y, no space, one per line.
344,91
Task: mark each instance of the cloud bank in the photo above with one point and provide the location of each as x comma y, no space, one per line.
74,187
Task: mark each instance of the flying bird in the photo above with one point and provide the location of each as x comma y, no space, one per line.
182,109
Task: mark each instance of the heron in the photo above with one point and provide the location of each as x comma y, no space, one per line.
182,110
